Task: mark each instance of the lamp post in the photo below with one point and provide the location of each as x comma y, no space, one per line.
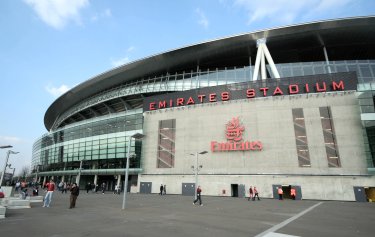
196,170
135,136
6,164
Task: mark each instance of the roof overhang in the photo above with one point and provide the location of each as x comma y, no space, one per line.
280,41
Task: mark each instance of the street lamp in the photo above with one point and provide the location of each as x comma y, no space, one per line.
196,169
135,136
7,146
6,164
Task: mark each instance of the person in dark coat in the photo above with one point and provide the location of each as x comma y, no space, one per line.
199,198
74,192
88,187
161,189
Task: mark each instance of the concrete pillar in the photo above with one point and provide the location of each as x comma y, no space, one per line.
44,179
118,179
96,179
63,178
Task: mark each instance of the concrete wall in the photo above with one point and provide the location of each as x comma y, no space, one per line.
270,121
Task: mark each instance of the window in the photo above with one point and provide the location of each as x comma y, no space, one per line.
301,138
329,137
166,141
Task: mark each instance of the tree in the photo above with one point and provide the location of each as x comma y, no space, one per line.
24,172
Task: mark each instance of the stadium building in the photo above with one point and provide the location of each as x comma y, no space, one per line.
290,106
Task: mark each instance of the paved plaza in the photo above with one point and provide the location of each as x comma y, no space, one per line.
175,215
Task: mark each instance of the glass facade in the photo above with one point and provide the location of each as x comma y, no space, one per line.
329,137
102,141
301,138
366,98
166,141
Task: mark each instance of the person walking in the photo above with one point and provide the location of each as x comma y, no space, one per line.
256,194
251,193
161,189
280,192
199,198
165,189
64,188
293,193
48,198
88,187
74,192
103,187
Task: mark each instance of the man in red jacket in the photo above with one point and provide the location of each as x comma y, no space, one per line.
199,190
48,198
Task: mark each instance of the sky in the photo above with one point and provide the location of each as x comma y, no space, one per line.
49,46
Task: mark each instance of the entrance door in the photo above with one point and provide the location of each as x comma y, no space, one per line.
286,191
298,192
234,188
145,187
360,194
241,191
188,189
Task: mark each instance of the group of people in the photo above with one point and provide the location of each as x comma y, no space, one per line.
293,193
50,188
163,189
95,187
253,193
22,186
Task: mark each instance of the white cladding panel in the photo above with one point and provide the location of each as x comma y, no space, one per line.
268,120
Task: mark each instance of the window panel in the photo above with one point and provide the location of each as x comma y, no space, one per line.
166,143
329,135
301,138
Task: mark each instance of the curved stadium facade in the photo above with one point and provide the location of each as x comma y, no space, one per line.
291,107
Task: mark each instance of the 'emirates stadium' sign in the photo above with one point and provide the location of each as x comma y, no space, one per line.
346,81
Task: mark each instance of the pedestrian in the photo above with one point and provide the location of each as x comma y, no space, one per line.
117,189
74,192
18,185
88,187
280,192
161,189
48,198
165,189
65,187
199,198
103,187
293,193
61,186
251,193
256,194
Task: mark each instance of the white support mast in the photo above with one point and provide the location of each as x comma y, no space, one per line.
263,54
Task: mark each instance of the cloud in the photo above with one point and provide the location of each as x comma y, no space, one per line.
123,60
202,19
119,62
5,140
286,11
131,48
57,91
57,13
106,13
